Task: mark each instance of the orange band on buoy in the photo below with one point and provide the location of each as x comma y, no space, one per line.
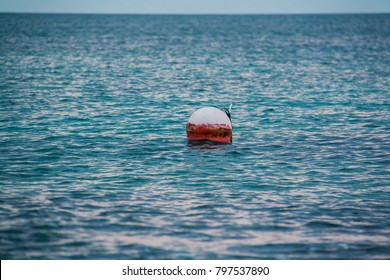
213,132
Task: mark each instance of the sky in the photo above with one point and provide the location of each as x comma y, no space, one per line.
196,6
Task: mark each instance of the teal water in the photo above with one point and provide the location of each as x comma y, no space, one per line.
94,161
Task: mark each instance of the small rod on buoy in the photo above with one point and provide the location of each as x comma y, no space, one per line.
228,111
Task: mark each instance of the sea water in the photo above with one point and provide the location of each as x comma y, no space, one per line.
94,160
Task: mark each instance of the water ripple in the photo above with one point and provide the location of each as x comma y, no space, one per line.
94,162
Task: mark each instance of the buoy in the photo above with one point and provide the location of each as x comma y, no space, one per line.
210,124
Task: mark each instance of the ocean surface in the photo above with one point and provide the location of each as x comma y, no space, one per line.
94,159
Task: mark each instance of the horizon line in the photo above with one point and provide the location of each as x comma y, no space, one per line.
199,14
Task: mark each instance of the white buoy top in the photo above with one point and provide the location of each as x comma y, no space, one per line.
210,115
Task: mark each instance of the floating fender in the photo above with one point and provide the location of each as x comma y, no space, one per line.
210,124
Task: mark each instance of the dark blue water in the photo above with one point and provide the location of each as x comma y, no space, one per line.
94,161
